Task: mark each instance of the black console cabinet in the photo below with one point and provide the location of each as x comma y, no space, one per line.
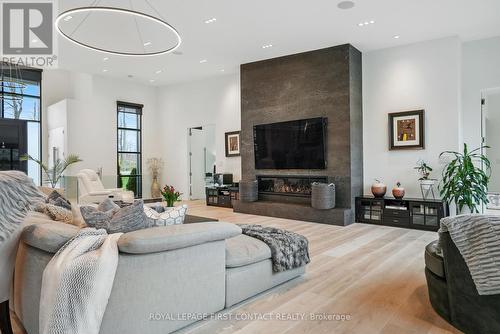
407,212
222,196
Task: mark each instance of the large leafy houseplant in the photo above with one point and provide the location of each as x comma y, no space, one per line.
464,182
54,174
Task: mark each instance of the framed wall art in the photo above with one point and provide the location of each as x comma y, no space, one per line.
406,130
233,144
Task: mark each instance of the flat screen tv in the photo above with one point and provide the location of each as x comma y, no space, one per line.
297,144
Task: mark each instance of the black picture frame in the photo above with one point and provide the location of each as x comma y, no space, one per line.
395,143
230,152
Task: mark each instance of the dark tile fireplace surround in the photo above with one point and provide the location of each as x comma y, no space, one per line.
322,83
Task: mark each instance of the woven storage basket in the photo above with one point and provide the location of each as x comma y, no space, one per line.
249,191
323,196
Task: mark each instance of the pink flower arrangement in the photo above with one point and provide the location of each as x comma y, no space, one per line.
170,195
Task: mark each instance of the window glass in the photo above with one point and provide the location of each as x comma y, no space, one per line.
127,120
129,148
129,140
131,183
20,99
24,107
34,150
129,163
32,88
22,87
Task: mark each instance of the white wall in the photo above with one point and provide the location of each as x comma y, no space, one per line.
212,101
56,86
481,70
491,113
92,131
418,76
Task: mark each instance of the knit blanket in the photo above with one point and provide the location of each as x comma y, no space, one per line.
288,250
477,237
77,283
18,195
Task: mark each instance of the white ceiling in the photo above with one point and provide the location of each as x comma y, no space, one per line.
291,26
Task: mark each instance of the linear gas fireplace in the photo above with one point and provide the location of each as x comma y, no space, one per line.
299,186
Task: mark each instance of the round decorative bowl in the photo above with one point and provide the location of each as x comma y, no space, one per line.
379,190
398,192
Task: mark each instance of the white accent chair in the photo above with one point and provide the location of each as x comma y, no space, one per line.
91,189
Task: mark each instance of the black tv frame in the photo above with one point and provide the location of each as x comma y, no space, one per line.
325,143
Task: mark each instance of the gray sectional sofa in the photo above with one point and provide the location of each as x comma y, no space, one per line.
166,276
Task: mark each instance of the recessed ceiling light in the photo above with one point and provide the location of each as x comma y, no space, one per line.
365,23
267,46
396,36
151,80
67,18
345,4
105,70
105,59
203,61
147,43
222,70
159,71
212,20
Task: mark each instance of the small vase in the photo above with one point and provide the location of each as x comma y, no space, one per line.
170,203
155,188
398,192
379,189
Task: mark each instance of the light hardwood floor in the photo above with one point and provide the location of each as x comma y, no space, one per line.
374,274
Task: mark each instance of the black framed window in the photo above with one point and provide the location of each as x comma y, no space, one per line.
22,100
129,148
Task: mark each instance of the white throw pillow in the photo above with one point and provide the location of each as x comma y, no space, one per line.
171,216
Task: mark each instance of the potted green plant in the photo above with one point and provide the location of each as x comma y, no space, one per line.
426,182
465,183
425,171
53,175
170,195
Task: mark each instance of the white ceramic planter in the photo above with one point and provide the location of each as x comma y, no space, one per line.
428,183
427,188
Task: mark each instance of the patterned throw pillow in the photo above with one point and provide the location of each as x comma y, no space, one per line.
55,212
126,219
95,218
108,205
78,220
55,198
169,216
